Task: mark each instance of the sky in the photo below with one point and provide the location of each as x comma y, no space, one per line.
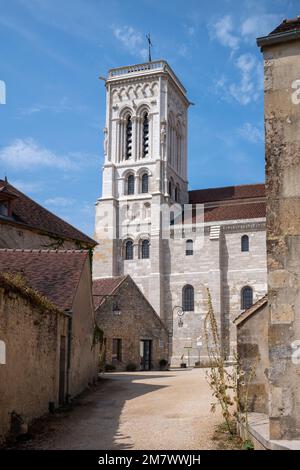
52,53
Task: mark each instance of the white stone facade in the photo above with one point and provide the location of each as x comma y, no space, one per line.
154,91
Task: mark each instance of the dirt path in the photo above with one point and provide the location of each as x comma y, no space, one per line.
142,410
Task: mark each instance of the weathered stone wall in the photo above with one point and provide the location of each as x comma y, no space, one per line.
253,358
137,321
22,238
29,379
282,123
84,357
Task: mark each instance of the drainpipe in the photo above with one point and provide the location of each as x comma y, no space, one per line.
69,315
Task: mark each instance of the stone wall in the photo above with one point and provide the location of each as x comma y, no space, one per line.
218,264
136,321
15,237
84,357
29,379
282,124
221,266
252,352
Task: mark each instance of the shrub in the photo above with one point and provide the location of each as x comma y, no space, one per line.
163,362
110,367
131,367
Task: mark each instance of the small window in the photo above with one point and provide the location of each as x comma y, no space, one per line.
172,218
170,188
128,149
116,350
188,298
145,135
130,185
129,249
189,250
246,298
145,249
176,194
245,243
145,181
2,352
4,208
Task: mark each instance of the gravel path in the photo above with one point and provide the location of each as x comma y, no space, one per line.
142,410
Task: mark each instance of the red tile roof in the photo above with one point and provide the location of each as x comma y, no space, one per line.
53,273
231,202
235,211
104,287
246,191
30,214
287,26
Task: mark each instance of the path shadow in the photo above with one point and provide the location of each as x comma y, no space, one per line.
93,422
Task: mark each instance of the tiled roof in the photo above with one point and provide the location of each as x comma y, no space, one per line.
105,286
29,213
231,202
245,191
253,210
53,273
250,311
287,26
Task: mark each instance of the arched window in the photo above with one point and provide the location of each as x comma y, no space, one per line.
172,218
188,298
128,149
245,243
145,135
176,194
189,250
129,249
145,181
246,297
145,249
130,184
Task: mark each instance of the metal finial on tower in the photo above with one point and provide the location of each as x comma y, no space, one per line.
149,46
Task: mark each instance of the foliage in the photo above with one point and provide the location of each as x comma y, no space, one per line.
56,244
163,362
131,367
97,336
227,384
110,367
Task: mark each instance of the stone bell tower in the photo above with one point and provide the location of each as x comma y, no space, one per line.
145,150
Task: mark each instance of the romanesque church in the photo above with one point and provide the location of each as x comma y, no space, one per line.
140,218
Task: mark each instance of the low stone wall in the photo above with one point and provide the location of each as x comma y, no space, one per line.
29,377
252,352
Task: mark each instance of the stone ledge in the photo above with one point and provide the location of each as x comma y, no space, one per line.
259,434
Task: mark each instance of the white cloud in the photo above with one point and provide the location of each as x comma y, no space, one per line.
28,154
60,201
259,25
250,84
183,51
63,105
223,31
251,133
26,186
132,40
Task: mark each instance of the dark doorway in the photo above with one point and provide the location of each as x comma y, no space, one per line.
62,370
145,353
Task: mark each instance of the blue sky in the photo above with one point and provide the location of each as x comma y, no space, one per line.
53,51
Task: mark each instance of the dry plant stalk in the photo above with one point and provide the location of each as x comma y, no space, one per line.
225,382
